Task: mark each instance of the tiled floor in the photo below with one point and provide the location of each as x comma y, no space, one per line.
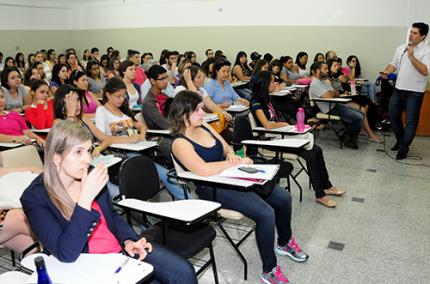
383,222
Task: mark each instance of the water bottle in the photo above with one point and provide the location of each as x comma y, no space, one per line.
42,274
300,120
353,89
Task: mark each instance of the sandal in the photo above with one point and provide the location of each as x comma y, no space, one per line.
376,140
326,202
336,192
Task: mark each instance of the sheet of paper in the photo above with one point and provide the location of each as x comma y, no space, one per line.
266,172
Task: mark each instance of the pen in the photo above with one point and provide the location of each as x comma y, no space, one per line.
122,265
262,171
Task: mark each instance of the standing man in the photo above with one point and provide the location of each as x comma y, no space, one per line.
411,61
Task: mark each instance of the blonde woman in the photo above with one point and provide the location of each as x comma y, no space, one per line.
70,211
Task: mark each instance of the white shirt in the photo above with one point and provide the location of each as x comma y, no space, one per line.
201,91
113,125
408,78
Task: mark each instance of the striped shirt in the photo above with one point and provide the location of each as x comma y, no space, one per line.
408,78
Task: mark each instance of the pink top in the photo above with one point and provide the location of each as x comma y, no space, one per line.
140,76
12,124
346,71
102,240
92,105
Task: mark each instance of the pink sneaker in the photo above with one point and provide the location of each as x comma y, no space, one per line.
292,250
274,277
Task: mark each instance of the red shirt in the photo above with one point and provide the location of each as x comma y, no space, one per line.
41,118
102,240
12,124
161,99
140,76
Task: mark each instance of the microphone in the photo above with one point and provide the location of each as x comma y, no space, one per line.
407,47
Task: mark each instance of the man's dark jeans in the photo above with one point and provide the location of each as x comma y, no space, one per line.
410,102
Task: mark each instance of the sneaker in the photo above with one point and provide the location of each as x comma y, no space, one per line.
274,277
292,250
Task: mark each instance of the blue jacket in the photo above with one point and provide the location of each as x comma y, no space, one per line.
67,239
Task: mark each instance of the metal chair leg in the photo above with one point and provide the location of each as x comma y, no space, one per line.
212,254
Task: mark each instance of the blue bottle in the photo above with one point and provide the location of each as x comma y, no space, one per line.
42,274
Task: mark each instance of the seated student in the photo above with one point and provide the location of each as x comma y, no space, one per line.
20,62
73,63
319,57
115,118
70,211
290,72
104,62
361,103
301,61
353,70
267,116
29,75
15,233
219,88
127,71
199,149
154,104
89,101
13,127
276,68
86,57
207,66
242,72
60,75
41,112
96,82
13,91
171,66
255,56
193,80
113,67
140,76
352,118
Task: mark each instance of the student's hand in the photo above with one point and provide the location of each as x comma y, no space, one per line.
92,184
243,102
383,74
40,142
95,153
71,101
227,116
17,109
134,138
225,105
247,161
187,75
138,247
233,159
24,139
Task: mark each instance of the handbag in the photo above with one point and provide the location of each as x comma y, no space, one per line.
221,124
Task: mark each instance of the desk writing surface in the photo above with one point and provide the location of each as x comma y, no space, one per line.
236,108
92,268
139,146
266,172
299,86
216,179
44,130
183,210
210,117
239,83
10,144
165,132
332,100
281,93
107,160
287,143
289,129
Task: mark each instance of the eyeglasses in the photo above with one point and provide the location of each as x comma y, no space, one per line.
162,78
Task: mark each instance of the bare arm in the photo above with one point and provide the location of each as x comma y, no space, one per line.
266,123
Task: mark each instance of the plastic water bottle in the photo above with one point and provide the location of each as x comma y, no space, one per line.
353,89
42,273
300,120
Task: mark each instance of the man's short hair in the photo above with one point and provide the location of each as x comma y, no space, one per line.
207,51
154,71
316,66
423,28
94,49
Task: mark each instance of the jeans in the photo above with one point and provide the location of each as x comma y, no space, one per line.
170,267
410,102
352,118
317,170
369,89
275,210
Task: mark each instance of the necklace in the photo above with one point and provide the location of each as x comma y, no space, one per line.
114,112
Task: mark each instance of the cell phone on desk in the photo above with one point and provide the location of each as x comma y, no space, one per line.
249,170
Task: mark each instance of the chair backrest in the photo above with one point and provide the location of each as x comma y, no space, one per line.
252,120
138,178
178,167
139,117
243,131
26,156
